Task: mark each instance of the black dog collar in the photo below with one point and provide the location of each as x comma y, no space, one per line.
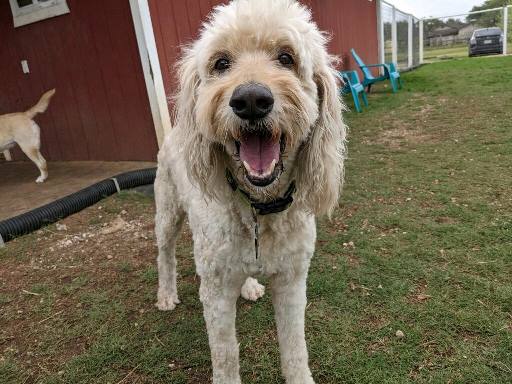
278,205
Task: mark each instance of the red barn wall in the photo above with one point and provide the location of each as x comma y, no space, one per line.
175,23
351,24
101,109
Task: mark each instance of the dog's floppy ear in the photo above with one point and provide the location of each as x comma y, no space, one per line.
201,158
320,171
186,97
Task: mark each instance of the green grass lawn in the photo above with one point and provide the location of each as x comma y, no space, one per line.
432,55
444,53
422,244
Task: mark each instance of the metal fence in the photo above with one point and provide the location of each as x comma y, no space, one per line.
409,41
399,36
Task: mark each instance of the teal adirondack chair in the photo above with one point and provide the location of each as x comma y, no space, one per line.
390,73
353,85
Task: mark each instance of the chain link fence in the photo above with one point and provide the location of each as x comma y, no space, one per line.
409,41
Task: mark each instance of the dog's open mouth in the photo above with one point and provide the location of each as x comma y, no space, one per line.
260,154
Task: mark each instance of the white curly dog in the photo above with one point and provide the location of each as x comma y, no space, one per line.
255,153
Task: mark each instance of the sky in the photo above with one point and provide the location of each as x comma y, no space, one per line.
425,8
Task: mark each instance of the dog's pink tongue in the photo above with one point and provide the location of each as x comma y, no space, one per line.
259,152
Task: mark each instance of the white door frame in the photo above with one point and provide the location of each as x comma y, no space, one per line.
151,68
380,34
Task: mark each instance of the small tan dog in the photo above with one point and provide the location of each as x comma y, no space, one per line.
20,128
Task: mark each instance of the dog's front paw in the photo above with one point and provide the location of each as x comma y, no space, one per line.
167,302
40,179
304,378
252,290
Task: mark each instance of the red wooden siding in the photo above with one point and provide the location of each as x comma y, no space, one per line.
176,23
101,109
351,23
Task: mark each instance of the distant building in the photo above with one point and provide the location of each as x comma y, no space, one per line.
467,31
446,36
444,31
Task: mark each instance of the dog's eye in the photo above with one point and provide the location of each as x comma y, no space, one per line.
222,65
286,59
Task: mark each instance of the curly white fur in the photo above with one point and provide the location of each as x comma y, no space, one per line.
192,163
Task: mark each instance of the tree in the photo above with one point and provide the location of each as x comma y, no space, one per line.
434,24
488,19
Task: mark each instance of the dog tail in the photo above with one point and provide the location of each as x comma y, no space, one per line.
41,105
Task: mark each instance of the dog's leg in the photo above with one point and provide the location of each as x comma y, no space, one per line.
34,154
219,301
31,148
168,222
252,290
289,299
43,168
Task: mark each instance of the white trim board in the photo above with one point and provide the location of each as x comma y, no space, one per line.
380,34
151,68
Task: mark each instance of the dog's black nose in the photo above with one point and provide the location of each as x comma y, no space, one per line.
251,101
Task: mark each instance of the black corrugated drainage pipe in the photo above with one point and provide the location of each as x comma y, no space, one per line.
61,208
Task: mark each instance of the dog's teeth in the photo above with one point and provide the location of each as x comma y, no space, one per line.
249,169
265,174
270,169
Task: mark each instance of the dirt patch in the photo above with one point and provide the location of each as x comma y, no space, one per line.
337,225
375,322
411,124
403,135
426,109
353,261
45,275
419,294
436,354
378,345
446,220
